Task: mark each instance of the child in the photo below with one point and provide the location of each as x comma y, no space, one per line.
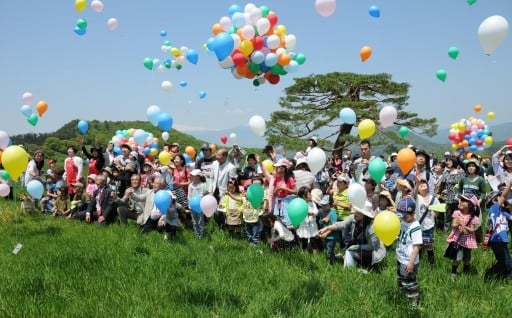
426,217
62,205
386,202
91,185
232,203
251,217
463,231
79,200
281,238
408,249
328,216
46,203
308,229
197,188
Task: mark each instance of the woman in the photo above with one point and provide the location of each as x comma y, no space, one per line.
73,169
96,160
281,189
34,167
181,179
447,191
302,175
503,169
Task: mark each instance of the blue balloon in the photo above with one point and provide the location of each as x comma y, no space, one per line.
152,113
35,188
79,31
192,56
187,158
153,144
165,121
202,94
374,11
162,201
195,204
183,84
210,44
348,116
83,126
140,137
223,45
26,110
146,151
117,150
201,155
9,142
234,8
163,33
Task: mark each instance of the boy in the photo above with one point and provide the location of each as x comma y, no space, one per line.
407,250
328,217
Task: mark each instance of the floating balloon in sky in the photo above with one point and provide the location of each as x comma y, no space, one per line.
490,115
478,108
26,110
387,116
441,75
97,5
32,119
492,32
27,98
79,31
183,84
202,94
471,2
163,33
83,126
167,86
374,11
80,5
403,131
325,8
257,125
112,24
453,52
152,113
41,107
81,24
365,53
348,116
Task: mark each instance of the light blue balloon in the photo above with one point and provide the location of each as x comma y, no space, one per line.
163,33
152,113
140,137
195,204
187,158
162,201
234,8
292,67
26,110
348,116
192,56
238,19
183,84
165,121
83,126
257,57
79,31
210,44
223,45
374,11
35,188
271,59
202,94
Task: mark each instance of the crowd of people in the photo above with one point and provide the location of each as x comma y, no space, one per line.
124,186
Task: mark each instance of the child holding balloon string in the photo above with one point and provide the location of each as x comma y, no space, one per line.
231,203
253,210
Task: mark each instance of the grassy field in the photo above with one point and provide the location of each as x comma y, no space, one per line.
71,269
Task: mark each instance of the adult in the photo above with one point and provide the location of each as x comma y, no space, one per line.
34,167
204,163
127,208
312,143
503,168
362,162
72,169
124,164
96,159
109,154
303,176
236,156
101,206
447,192
221,170
181,179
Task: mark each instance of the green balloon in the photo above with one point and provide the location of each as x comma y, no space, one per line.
148,63
300,58
81,24
264,11
255,68
167,64
32,119
256,82
5,175
404,131
377,169
471,2
297,211
453,52
441,75
255,191
166,43
179,66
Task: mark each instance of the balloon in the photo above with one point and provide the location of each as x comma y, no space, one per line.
297,211
208,205
15,160
377,169
165,135
97,5
192,56
387,227
35,188
148,63
80,5
366,128
4,190
325,8
365,53
490,115
374,11
223,44
195,204
403,131
81,24
79,31
5,174
406,159
255,194
492,32
164,157
189,150
471,2
509,143
387,116
478,108
183,84
152,113
41,107
202,94
316,159
348,116
83,126
162,201
268,165
140,137
27,98
163,33
232,136
257,125
32,119
166,86
453,52
441,75
224,139
26,110
356,195
165,121
112,24
4,139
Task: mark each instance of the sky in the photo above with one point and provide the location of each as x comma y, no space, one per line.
101,75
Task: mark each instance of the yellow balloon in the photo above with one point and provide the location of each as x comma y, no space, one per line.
153,152
14,160
366,128
164,157
246,47
175,51
488,141
269,165
387,227
281,29
490,115
80,5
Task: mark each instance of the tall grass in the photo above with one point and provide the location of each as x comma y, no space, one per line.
71,269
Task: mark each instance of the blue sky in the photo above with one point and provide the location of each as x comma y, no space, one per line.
101,75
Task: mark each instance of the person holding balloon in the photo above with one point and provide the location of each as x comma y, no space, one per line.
361,163
281,238
197,188
503,169
253,210
96,159
34,167
308,228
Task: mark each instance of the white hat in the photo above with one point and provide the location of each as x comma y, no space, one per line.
343,178
314,139
298,155
196,172
446,153
282,163
326,199
301,161
394,154
366,210
316,195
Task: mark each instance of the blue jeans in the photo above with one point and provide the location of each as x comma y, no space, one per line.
503,266
253,231
198,223
330,245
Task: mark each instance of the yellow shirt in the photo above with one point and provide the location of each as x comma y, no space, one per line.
341,197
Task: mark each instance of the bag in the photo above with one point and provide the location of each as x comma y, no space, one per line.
181,197
451,250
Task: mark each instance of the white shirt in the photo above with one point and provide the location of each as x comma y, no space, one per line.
410,235
280,232
422,205
221,174
308,228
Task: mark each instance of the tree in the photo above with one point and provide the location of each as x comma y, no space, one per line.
313,103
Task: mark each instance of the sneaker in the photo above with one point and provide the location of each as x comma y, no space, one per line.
453,276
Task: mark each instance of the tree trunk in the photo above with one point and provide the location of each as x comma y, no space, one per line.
339,145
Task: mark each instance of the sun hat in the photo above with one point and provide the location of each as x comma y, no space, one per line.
301,161
107,169
366,210
406,205
406,183
470,197
473,162
196,172
343,178
92,176
316,195
77,184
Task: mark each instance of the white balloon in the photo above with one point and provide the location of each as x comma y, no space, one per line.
262,26
160,68
257,125
167,86
492,32
356,195
97,5
226,63
316,159
325,8
225,23
165,135
290,42
233,138
112,24
152,113
27,98
237,40
387,116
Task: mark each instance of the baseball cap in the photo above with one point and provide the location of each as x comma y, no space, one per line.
406,205
206,146
343,178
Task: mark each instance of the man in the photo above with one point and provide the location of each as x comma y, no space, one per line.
362,163
205,163
222,170
101,206
127,207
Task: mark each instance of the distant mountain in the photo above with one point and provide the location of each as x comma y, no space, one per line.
244,136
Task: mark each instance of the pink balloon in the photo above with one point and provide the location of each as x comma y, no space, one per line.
387,116
325,8
27,98
208,205
112,24
97,5
4,190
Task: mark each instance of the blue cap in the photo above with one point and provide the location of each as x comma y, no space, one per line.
406,205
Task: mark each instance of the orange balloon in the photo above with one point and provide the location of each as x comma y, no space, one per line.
41,107
406,159
478,108
190,151
365,53
213,147
217,28
284,59
0,156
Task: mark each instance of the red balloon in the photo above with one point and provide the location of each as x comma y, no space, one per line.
273,79
239,59
272,18
258,43
509,143
224,139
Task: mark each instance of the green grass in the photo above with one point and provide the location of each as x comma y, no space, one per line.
70,269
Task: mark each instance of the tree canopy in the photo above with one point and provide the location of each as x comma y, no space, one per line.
312,105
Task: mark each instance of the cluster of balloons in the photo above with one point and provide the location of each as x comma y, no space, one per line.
145,142
178,57
158,118
98,7
251,44
28,112
470,135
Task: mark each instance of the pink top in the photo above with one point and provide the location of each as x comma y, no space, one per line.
467,240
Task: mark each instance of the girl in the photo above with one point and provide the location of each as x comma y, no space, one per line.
197,188
62,205
386,202
463,231
281,238
426,217
232,203
282,189
308,229
251,217
180,177
91,185
327,217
